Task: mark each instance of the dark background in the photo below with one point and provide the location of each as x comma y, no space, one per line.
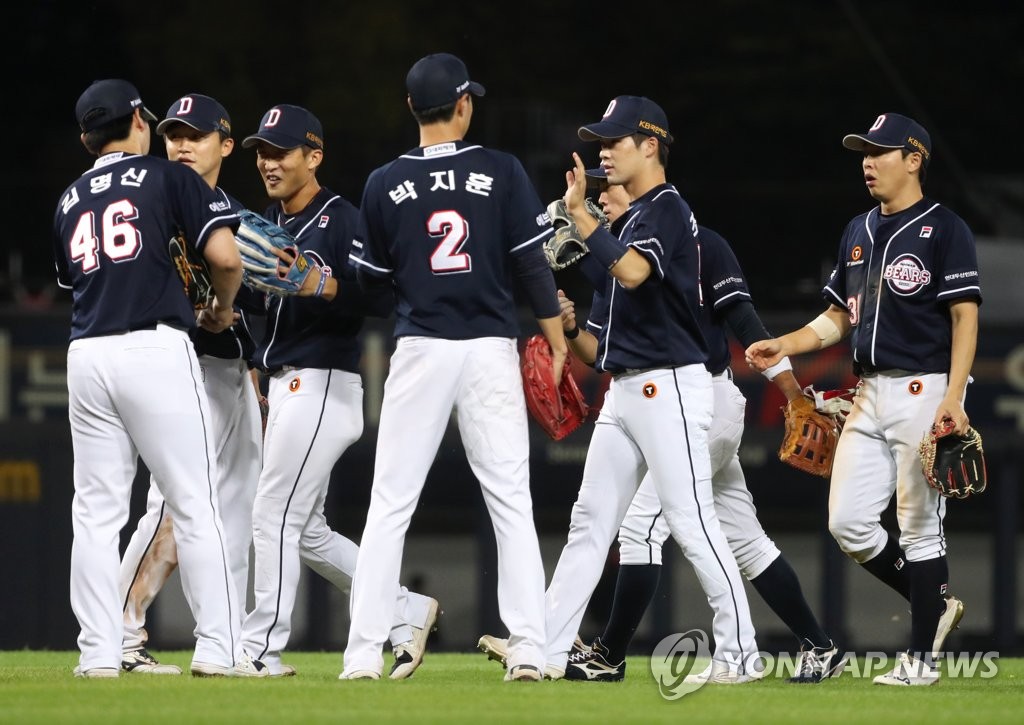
758,95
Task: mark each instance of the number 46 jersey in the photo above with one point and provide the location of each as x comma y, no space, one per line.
444,223
112,228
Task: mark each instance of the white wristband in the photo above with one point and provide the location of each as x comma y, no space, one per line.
825,329
780,367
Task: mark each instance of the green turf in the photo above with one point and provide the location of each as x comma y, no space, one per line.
38,687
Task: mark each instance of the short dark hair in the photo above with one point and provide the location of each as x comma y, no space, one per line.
921,169
638,138
116,130
437,114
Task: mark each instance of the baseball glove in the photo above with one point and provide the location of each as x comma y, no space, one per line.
810,440
954,465
192,269
262,269
561,410
566,246
836,404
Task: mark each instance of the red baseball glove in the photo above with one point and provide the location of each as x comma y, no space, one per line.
559,410
810,440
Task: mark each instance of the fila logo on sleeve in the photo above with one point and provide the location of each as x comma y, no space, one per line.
926,232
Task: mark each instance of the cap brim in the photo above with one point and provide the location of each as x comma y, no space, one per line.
148,115
162,127
476,89
598,173
271,138
604,129
856,142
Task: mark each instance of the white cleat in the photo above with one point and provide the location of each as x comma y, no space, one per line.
97,673
409,655
523,673
140,661
909,672
718,673
495,648
360,675
949,621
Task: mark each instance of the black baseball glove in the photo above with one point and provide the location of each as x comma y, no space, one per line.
954,465
192,269
566,246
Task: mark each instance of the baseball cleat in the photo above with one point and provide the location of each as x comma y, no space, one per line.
286,671
553,673
909,672
245,667
495,648
360,675
719,673
141,661
818,663
590,664
948,621
97,673
409,655
523,673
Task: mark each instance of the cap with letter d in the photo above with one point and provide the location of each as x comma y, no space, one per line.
106,101
439,80
627,115
288,127
892,131
199,112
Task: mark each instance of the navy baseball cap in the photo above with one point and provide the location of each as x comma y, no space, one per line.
288,127
439,80
627,115
596,178
106,101
893,131
199,112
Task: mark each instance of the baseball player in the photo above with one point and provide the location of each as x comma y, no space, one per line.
450,224
133,376
906,288
658,408
311,351
197,134
644,530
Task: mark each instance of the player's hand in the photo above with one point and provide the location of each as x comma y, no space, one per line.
311,283
217,317
576,188
952,409
568,311
763,354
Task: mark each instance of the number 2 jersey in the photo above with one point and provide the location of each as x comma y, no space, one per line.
896,275
111,233
445,222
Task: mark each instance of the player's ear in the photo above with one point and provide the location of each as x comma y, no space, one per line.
226,147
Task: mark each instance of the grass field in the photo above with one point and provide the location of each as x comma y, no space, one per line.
38,687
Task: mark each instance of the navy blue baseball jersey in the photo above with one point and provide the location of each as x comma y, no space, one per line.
429,220
657,324
722,285
896,276
111,233
236,341
309,332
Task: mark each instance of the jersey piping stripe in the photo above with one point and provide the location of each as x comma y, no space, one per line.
881,268
700,516
958,292
942,531
528,242
212,497
284,514
359,260
731,294
650,532
149,545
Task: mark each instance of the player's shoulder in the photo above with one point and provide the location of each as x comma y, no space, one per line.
710,238
944,214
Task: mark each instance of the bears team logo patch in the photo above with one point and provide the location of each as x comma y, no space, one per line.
650,390
915,387
294,384
907,275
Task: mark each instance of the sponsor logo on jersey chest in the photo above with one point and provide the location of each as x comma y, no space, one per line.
906,275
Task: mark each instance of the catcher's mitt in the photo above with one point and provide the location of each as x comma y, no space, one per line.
954,465
566,246
262,269
192,269
561,410
810,440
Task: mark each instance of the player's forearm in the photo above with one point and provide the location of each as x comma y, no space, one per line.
225,265
583,345
964,346
787,383
551,328
825,330
627,265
